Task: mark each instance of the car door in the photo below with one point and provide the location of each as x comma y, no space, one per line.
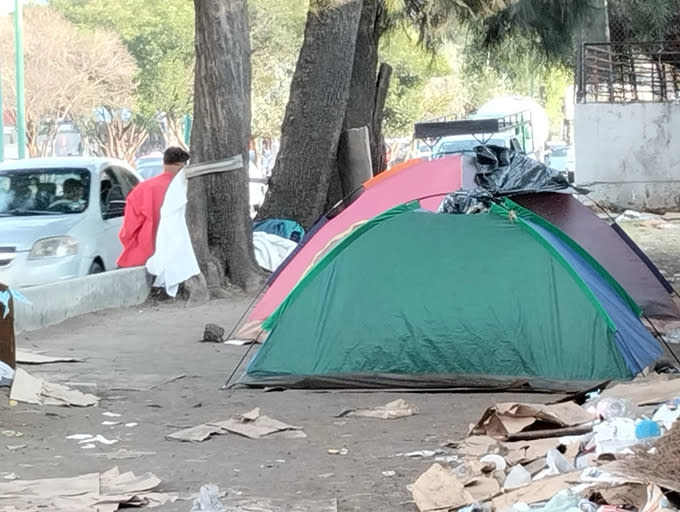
112,194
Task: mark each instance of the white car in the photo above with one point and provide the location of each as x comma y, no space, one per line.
60,217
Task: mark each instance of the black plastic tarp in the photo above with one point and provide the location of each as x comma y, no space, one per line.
466,201
505,172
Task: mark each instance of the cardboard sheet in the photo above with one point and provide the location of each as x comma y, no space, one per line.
507,419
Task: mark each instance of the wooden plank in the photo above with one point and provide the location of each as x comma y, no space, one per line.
7,341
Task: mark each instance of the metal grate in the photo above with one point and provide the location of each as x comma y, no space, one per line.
630,72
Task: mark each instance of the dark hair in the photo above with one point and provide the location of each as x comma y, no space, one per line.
175,155
71,184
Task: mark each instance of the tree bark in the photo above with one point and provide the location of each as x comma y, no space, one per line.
382,88
218,208
315,113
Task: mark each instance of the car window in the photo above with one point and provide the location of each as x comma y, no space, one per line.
127,180
48,191
111,193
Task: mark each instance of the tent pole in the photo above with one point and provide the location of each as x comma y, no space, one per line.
226,385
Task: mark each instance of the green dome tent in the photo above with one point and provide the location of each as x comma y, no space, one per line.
419,299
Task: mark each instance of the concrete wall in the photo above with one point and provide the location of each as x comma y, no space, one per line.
56,302
629,154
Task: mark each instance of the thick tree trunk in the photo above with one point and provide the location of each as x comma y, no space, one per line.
315,113
218,210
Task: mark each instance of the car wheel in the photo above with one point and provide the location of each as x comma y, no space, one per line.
96,268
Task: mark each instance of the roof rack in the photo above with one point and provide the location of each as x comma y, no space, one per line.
432,131
438,129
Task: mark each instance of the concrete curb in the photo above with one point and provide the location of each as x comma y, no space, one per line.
53,303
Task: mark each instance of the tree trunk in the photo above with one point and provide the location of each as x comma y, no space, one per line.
382,88
315,113
218,209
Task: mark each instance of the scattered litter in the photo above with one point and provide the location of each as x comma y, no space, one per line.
389,473
32,390
88,446
634,216
91,439
341,451
9,476
439,489
13,447
208,500
213,333
130,425
111,414
421,454
79,437
99,439
393,410
109,423
250,424
325,475
10,433
92,492
610,455
28,357
124,454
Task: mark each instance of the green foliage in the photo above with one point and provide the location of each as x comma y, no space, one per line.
276,31
643,20
413,67
159,34
517,66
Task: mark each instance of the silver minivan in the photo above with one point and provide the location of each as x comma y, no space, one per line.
60,217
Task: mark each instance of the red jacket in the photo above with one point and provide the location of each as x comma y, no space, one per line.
142,215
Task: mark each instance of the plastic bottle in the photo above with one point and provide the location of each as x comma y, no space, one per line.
610,408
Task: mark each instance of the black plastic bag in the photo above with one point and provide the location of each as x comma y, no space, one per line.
504,172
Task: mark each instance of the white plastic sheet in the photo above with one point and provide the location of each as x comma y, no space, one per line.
174,260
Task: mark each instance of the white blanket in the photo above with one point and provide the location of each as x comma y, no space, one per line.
271,250
174,260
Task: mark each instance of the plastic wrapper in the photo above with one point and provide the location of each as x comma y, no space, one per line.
208,500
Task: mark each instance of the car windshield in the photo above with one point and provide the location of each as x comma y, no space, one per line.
462,146
150,168
559,151
25,192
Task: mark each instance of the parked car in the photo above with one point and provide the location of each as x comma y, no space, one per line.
561,158
60,217
457,144
150,165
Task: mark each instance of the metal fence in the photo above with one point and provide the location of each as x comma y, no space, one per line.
630,72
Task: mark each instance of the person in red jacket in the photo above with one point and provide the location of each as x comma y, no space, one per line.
143,211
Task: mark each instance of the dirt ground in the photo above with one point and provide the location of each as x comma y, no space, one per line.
130,353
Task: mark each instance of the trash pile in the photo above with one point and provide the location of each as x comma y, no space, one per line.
611,451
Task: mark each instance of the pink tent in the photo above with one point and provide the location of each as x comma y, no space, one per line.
429,181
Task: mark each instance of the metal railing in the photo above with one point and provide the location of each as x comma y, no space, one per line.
630,72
